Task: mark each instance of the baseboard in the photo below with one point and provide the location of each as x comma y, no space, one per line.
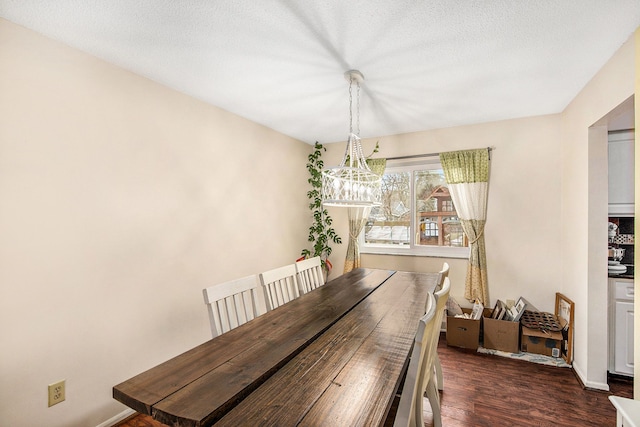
592,385
117,418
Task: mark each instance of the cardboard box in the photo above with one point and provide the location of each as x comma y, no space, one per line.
539,342
462,332
501,335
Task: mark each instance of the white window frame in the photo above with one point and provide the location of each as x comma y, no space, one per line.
412,249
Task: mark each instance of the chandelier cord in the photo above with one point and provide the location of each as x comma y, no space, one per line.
351,106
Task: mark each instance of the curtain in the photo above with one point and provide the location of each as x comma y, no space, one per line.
357,220
467,175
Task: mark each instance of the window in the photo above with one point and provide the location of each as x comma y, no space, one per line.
417,215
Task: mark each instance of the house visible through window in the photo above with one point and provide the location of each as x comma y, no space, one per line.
417,215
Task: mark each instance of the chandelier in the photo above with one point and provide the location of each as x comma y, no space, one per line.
352,184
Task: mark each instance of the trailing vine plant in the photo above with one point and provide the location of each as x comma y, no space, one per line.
321,234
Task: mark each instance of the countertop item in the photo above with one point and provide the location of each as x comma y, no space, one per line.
627,274
617,269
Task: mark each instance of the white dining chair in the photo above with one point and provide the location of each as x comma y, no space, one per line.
442,275
279,285
409,413
233,303
435,380
310,275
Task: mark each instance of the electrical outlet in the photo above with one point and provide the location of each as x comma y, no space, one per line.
56,393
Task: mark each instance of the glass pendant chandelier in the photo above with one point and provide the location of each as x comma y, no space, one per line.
352,184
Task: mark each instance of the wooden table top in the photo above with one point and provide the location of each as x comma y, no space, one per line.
334,356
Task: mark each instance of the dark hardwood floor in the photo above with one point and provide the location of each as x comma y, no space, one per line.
490,391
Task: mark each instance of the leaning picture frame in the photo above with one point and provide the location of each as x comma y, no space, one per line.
499,310
496,310
476,313
564,312
503,312
519,307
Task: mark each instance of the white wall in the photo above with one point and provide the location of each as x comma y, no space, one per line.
584,213
523,228
120,201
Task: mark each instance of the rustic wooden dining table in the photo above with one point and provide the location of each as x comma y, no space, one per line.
332,357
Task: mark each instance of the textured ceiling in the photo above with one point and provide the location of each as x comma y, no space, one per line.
427,64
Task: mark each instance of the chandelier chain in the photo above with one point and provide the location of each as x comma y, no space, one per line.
350,105
358,108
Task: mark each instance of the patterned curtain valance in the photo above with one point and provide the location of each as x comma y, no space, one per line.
466,166
377,166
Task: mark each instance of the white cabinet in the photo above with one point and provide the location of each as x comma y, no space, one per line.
621,326
621,173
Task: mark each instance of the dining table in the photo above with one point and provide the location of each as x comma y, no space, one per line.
335,356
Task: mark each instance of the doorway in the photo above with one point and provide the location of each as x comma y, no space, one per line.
619,121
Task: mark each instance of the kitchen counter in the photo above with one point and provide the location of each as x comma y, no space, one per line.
621,276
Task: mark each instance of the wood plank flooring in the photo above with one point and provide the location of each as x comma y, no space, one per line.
482,390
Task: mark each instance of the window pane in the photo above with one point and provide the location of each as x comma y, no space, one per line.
436,220
417,215
390,222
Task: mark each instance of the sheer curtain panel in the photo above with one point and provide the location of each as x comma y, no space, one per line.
357,220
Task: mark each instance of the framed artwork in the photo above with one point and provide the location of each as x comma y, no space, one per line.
499,310
476,313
